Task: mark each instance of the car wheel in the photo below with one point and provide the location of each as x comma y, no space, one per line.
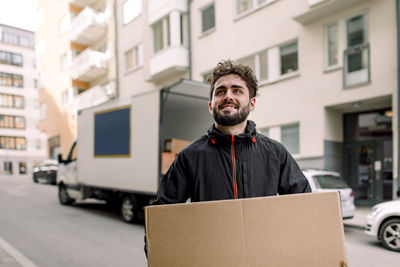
34,179
391,235
63,196
128,209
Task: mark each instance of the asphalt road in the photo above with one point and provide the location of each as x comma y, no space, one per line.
91,234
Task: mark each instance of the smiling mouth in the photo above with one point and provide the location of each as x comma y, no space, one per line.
228,106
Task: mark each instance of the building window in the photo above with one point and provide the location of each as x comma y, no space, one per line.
331,35
8,79
290,138
12,143
208,18
246,5
161,34
8,167
38,144
10,58
22,167
355,37
13,122
258,63
134,57
11,101
131,10
288,57
54,146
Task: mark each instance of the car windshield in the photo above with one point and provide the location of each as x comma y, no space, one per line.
329,182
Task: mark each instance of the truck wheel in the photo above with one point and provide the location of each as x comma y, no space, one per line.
128,209
391,235
63,196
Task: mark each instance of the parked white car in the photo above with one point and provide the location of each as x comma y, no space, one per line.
327,181
383,222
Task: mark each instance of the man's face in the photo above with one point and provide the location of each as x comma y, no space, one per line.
231,103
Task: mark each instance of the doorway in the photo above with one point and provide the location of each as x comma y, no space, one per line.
368,156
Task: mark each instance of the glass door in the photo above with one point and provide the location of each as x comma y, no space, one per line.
364,171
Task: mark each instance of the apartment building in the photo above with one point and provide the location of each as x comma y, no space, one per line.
326,71
327,77
22,145
76,61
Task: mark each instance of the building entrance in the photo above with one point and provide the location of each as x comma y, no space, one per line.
368,156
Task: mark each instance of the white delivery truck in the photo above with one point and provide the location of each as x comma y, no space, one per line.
117,155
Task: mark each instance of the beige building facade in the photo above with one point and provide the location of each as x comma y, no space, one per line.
328,84
22,145
326,70
76,62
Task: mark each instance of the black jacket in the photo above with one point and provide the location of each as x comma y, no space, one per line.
218,166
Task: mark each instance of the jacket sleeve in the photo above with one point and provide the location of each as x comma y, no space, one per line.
174,185
291,178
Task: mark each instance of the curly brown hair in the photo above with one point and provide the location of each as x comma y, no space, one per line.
226,67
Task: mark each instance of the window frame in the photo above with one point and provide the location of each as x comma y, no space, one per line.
286,44
165,34
137,60
298,148
327,66
202,10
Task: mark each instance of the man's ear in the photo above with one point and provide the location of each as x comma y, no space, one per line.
209,107
252,103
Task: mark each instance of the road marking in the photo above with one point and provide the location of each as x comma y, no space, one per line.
21,259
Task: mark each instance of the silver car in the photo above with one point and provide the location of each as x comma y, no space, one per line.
327,181
383,222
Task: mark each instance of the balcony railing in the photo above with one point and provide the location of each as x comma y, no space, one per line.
89,65
88,26
95,96
168,62
356,69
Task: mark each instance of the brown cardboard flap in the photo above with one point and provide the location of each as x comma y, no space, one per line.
292,230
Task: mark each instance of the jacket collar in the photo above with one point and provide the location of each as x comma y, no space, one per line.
249,135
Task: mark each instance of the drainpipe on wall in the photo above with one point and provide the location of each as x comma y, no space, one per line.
396,189
189,42
116,50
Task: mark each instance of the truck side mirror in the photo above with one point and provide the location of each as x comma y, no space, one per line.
60,160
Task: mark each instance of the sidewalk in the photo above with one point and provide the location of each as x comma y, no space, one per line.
10,257
358,221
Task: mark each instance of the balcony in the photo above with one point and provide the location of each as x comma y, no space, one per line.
82,3
321,8
356,69
89,65
95,96
169,62
88,26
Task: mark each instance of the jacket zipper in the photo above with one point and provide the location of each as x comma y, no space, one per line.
235,191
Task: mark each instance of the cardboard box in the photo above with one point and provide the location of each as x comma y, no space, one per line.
166,160
286,231
175,145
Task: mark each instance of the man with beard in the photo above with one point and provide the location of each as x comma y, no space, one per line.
232,160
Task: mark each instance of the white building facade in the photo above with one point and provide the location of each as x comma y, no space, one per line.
326,69
22,145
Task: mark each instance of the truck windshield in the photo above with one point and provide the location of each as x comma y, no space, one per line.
329,182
